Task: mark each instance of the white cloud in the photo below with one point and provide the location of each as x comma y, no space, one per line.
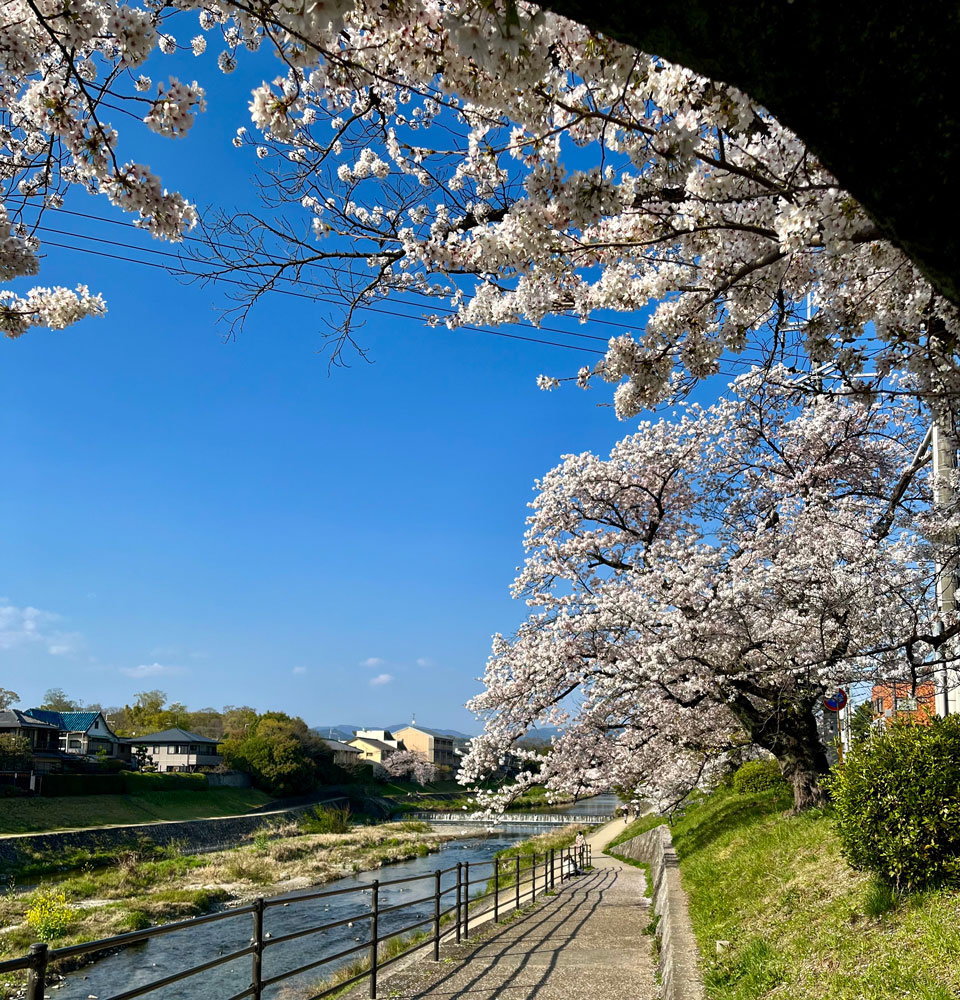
423,661
380,679
32,626
151,670
299,670
372,661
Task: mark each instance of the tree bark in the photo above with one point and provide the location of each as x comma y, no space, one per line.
870,87
787,727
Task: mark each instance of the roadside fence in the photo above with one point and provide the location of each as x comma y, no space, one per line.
507,885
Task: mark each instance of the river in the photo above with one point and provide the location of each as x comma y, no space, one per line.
162,956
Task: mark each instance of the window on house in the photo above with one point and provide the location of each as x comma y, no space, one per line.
906,704
878,705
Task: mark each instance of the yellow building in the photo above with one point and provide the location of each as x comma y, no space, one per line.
437,745
375,744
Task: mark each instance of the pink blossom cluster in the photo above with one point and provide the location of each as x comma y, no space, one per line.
703,587
500,158
410,764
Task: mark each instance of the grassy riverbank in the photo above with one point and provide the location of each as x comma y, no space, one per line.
42,815
141,889
795,919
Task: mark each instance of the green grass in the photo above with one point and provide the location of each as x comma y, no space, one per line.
39,815
799,921
638,826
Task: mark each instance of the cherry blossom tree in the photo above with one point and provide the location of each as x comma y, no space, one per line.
505,162
410,763
705,586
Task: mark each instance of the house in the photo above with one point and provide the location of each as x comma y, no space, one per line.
177,750
344,754
442,747
82,733
43,737
904,702
375,744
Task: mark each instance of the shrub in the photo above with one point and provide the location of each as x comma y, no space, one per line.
136,782
334,819
14,792
897,798
757,776
53,785
49,914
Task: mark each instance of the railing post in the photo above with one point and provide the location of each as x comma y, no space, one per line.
496,890
257,977
517,867
466,899
436,916
374,935
459,913
37,976
553,874
533,878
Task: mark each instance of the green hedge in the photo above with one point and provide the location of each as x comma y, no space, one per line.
54,785
124,783
897,804
757,776
135,782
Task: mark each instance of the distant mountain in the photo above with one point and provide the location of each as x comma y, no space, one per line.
542,734
336,732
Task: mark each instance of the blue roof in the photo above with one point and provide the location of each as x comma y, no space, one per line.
72,722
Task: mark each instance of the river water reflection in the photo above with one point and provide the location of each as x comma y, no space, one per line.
163,956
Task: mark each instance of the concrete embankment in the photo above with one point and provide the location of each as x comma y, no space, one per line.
679,956
194,835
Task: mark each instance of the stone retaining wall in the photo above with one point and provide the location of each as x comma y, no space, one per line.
194,835
679,958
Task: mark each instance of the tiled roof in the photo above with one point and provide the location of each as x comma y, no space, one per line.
171,736
15,719
449,734
337,745
376,744
71,722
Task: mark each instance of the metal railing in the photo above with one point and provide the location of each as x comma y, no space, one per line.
510,883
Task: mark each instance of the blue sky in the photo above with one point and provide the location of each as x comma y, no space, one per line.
230,522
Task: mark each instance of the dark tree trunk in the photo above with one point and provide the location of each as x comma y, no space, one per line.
787,727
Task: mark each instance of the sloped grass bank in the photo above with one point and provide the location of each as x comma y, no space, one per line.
798,921
41,815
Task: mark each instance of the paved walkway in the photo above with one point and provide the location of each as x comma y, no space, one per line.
585,942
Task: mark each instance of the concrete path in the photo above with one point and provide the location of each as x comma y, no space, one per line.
585,942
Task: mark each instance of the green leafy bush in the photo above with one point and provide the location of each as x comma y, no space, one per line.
14,792
320,819
757,776
54,785
897,799
137,782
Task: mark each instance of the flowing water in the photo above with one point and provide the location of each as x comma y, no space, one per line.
165,955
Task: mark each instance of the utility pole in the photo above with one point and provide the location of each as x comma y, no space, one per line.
944,462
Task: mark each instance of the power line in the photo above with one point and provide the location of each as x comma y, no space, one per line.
311,298
748,363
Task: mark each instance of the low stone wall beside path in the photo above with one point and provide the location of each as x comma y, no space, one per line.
679,957
193,835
